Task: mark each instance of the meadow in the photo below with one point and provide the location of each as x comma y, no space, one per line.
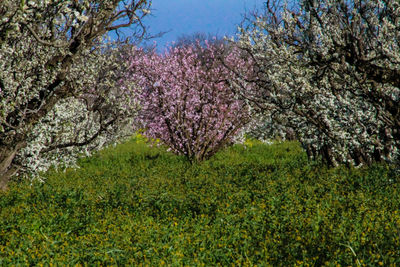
253,205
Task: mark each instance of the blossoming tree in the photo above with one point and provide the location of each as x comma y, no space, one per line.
186,101
57,80
101,115
328,71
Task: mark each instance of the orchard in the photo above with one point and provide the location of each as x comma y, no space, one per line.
324,73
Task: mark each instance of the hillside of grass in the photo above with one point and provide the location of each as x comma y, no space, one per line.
257,205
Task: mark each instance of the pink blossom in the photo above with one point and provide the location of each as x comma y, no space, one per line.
186,97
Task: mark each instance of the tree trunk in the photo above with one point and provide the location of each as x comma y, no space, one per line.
7,169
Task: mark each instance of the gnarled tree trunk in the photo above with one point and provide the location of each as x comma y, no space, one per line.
7,169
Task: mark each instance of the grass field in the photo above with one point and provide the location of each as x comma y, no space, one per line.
258,205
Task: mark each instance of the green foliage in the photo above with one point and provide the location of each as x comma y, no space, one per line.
255,205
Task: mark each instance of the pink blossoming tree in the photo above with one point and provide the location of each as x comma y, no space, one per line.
186,98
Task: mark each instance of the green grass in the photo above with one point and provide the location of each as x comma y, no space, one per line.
261,205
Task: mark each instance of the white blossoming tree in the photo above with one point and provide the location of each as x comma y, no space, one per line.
61,91
328,73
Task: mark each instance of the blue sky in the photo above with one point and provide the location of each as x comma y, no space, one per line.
178,17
